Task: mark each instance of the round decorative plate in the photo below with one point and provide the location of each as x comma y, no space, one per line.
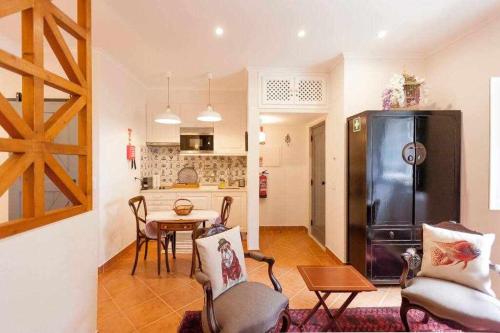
187,175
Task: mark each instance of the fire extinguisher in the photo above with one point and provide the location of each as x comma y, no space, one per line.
131,151
263,184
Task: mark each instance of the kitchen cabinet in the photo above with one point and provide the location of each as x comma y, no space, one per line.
229,134
160,132
293,91
157,200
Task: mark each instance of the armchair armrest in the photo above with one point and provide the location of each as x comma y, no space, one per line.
495,267
411,261
270,261
204,280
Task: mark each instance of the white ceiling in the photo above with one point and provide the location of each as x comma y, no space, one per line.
152,37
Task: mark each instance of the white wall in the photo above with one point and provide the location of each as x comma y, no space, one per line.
119,104
287,202
458,78
49,278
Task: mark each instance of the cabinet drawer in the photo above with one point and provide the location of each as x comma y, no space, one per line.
390,234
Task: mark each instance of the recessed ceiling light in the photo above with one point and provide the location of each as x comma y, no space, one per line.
301,33
219,31
382,33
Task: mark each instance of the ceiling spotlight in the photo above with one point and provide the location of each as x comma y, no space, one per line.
382,33
301,33
219,31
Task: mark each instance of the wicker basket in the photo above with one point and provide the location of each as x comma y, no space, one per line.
184,208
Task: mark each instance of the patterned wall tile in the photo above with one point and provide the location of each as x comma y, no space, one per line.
167,162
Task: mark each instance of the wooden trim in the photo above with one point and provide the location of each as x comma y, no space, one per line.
13,124
65,22
31,142
333,256
8,7
23,67
56,123
63,181
62,51
17,226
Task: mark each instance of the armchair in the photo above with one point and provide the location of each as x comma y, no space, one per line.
458,306
247,306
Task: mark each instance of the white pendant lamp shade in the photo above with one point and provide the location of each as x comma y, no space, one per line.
209,115
167,116
262,136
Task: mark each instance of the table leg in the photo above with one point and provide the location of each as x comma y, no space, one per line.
339,312
158,247
322,300
193,255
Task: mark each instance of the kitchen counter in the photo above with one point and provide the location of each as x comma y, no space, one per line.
202,188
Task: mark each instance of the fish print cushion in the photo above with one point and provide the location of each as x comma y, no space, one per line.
457,256
222,259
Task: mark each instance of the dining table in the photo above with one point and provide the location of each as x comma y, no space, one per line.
158,222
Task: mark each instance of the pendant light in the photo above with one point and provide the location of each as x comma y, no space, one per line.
167,116
209,115
262,136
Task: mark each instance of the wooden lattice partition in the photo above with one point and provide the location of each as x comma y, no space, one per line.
31,140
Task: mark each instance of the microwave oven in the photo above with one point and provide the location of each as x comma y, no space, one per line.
197,139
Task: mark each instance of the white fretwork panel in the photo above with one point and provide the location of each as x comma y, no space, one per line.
277,90
310,91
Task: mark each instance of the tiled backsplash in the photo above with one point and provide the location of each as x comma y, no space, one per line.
166,162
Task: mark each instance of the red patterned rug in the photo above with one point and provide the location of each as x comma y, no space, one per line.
353,320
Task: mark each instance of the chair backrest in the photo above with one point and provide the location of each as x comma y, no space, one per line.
139,209
225,209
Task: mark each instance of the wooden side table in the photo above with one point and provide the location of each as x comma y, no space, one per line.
177,225
325,280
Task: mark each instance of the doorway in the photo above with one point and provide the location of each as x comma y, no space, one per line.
318,182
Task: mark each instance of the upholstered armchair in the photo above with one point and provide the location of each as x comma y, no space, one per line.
458,306
246,307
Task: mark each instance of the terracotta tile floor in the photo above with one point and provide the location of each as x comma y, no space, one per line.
148,303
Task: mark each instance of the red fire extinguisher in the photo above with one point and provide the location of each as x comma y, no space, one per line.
263,184
131,151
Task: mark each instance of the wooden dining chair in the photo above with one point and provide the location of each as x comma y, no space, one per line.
225,209
139,209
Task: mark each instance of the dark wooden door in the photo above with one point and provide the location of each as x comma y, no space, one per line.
391,177
318,182
437,178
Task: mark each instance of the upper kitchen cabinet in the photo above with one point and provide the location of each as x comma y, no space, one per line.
160,133
229,134
293,91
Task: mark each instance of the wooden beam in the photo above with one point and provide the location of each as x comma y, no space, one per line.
8,7
32,102
84,48
17,226
23,67
62,51
63,116
15,145
12,168
62,149
65,22
60,178
13,124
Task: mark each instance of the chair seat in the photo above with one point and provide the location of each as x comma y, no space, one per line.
448,300
246,308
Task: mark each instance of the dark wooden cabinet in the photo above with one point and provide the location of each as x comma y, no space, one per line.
403,170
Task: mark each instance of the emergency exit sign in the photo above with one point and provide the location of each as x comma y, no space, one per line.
356,124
